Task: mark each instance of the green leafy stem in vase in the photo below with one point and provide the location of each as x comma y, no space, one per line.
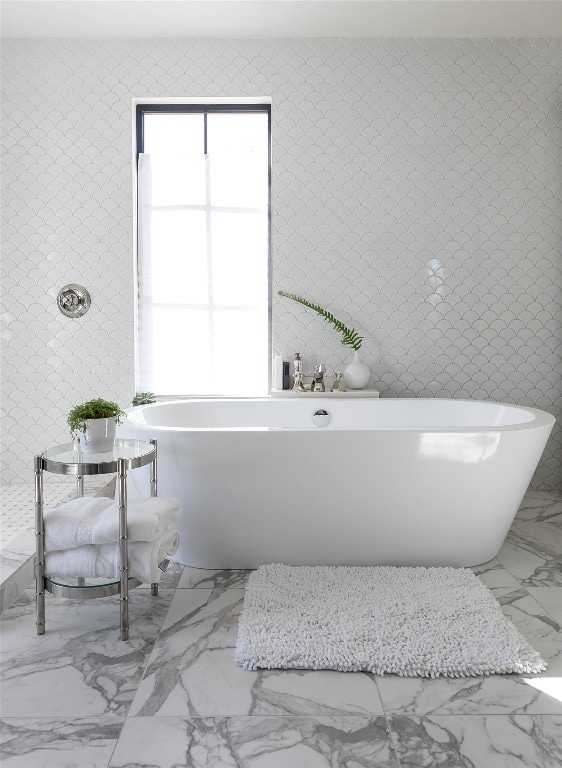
350,337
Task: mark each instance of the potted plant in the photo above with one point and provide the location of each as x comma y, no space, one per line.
95,423
144,398
356,373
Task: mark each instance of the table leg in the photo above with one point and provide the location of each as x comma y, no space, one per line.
39,548
154,470
81,581
123,554
154,492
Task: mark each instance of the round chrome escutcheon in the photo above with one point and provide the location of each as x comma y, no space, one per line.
321,418
73,300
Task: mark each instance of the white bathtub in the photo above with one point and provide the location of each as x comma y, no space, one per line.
392,481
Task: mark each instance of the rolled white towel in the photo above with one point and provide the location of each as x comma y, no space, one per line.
84,521
103,560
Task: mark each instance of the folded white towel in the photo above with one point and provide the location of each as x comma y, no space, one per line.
96,521
103,560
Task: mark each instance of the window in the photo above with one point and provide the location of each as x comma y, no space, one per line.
203,249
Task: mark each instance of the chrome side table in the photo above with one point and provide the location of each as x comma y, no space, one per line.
66,460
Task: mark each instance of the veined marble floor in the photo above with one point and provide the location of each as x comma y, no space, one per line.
172,696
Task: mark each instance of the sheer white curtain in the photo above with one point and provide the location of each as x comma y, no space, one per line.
203,275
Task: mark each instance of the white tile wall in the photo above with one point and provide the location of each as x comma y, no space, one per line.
414,194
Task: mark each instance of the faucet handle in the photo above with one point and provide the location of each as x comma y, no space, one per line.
298,382
339,384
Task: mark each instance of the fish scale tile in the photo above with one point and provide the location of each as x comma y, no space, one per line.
414,194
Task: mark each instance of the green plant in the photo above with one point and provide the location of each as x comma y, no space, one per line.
93,409
350,337
144,398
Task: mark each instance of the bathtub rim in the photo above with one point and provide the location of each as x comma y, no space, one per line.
540,418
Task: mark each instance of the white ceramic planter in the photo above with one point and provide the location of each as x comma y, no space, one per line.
99,436
356,374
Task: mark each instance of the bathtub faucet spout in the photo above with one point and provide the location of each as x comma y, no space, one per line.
318,379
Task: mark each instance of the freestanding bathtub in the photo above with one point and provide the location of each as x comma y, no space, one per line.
385,482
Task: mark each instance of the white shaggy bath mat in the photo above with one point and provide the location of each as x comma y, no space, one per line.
414,622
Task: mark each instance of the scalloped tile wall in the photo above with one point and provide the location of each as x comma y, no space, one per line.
414,194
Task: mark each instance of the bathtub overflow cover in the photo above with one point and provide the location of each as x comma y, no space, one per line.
321,418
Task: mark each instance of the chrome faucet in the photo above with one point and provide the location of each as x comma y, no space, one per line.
298,382
339,384
318,379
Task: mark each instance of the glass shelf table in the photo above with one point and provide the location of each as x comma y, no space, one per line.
67,460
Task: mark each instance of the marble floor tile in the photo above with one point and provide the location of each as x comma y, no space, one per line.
315,692
542,631
16,552
532,620
532,552
16,583
192,671
200,578
254,742
518,741
52,743
493,574
16,567
79,667
490,695
550,598
541,506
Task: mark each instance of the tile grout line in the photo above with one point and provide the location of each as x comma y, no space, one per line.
116,742
545,609
128,715
391,740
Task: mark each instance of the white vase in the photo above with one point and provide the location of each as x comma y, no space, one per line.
356,374
99,436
